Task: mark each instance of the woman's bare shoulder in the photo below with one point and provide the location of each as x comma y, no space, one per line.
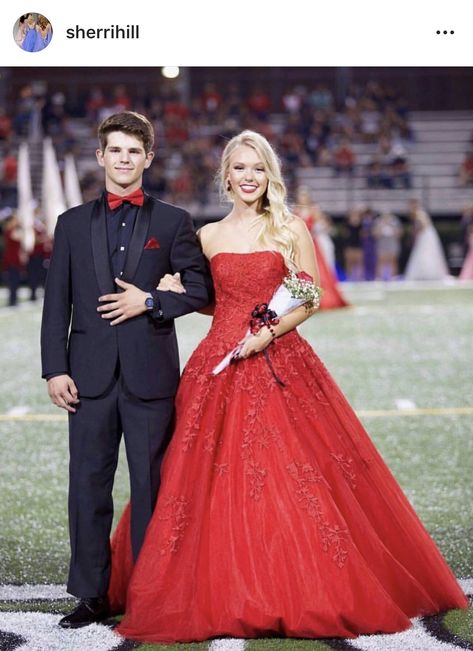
208,235
297,225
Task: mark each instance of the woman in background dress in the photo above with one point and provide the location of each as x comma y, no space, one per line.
30,38
427,259
307,210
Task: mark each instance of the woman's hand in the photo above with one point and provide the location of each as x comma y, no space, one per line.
170,283
253,344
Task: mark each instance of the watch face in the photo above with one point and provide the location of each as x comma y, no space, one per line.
149,302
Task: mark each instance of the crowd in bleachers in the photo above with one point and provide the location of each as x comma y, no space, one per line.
308,127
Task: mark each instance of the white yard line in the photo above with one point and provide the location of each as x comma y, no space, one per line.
230,644
41,633
415,639
368,413
467,586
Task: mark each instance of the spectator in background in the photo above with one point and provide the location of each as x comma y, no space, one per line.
377,176
53,114
387,231
344,158
466,171
368,243
36,266
8,175
121,98
292,100
353,251
211,99
95,103
466,272
321,98
5,125
370,120
13,257
259,103
400,173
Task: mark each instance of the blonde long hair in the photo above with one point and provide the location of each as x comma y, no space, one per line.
274,231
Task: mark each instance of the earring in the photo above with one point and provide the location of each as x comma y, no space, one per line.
229,186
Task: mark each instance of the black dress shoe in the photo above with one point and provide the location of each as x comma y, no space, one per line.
89,611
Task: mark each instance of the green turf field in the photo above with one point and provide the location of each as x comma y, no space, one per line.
404,359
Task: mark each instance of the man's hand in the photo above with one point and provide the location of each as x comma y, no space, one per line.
170,283
125,305
63,392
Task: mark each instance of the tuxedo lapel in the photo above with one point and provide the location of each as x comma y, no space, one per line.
100,252
138,240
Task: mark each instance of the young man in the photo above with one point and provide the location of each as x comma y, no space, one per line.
117,369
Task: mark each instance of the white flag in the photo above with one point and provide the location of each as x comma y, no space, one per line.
53,201
71,182
26,203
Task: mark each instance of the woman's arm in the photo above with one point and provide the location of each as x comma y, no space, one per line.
305,261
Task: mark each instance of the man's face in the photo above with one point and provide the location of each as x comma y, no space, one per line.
124,160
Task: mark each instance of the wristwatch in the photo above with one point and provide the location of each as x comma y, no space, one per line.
149,303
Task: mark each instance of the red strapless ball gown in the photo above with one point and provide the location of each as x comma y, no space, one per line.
276,514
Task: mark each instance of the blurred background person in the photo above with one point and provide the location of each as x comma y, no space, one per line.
466,272
29,41
387,231
13,257
427,259
465,176
43,34
353,251
21,31
368,243
305,208
36,267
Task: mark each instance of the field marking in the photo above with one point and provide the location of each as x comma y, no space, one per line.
414,639
366,413
57,591
40,632
231,644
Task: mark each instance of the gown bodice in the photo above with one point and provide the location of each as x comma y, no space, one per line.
241,281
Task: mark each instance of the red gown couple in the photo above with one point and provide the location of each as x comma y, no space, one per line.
276,514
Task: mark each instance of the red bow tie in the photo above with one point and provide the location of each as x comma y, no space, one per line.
136,198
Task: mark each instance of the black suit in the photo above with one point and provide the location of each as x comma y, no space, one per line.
126,375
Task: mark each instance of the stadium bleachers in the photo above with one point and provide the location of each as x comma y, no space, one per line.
440,141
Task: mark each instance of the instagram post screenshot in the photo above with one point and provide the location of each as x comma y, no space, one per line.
236,317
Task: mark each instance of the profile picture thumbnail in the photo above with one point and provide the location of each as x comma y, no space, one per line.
32,32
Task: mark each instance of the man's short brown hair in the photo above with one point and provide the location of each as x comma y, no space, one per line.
134,124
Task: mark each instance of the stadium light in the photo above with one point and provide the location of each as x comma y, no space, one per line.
170,72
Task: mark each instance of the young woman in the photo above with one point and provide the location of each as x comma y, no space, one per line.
276,515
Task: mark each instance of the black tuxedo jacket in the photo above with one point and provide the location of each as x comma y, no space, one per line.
74,337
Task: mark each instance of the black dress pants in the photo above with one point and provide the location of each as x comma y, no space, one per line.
95,432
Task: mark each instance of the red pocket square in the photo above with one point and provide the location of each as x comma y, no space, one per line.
152,243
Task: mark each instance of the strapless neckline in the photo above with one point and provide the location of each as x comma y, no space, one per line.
220,253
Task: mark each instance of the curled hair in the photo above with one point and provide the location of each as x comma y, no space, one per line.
43,22
131,123
274,232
